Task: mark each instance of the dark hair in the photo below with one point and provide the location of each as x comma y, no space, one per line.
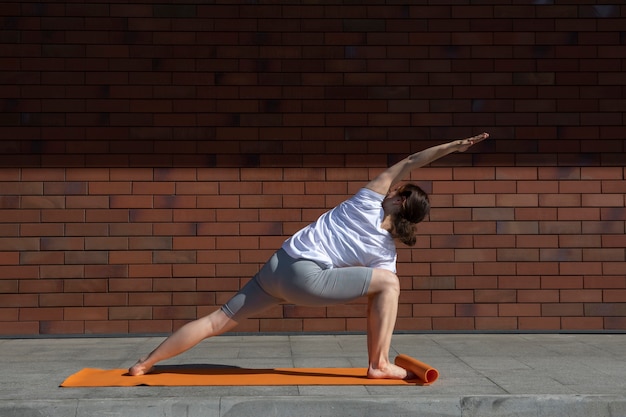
415,207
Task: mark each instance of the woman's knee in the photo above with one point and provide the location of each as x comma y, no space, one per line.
383,280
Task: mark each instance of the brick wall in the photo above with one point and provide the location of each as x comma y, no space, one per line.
153,155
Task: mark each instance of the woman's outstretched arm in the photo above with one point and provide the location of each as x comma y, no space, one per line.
397,172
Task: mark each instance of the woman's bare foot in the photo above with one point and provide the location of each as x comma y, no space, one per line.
391,371
140,368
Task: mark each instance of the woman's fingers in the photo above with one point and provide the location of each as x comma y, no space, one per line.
466,143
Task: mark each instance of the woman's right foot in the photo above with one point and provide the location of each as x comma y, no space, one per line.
391,371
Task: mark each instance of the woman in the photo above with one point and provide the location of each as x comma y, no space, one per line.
347,253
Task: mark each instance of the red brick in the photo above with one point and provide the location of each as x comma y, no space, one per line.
604,309
562,282
476,282
560,200
542,214
113,215
561,255
65,188
517,200
292,311
517,227
452,269
60,300
541,296
435,255
130,201
106,327
150,242
19,328
583,187
9,315
110,188
581,323
61,327
603,254
45,313
61,271
539,323
495,268
586,268
280,325
414,297
520,309
495,296
476,310
516,173
474,200
452,296
475,228
584,296
150,271
519,281
613,268
562,309
179,256
457,323
540,187
174,284
603,227
85,313
84,285
63,216
494,241
174,312
86,257
497,187
580,241
517,255
130,285
606,282
130,229
496,323
474,255
193,298
43,202
611,241
433,310
130,257
150,215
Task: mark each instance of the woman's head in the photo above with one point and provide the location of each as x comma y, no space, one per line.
412,208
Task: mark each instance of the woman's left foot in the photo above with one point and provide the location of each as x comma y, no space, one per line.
139,368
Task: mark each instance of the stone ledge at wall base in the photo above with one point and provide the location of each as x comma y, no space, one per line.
424,406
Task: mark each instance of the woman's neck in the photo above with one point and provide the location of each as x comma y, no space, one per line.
387,223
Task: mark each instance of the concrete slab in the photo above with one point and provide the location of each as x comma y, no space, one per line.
481,375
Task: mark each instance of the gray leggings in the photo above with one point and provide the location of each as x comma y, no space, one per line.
297,281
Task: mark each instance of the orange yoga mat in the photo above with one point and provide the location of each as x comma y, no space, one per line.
233,376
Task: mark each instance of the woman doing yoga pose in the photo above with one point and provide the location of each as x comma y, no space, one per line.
348,252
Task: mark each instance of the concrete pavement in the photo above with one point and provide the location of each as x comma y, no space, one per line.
481,375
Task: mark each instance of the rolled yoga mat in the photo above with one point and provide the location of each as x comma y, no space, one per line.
190,375
424,372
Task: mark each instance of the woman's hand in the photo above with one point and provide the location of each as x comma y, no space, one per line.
396,173
465,144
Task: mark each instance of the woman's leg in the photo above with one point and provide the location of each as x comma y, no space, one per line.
308,284
184,339
250,300
382,309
